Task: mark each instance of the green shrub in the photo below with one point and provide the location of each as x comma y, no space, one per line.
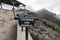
37,36
52,25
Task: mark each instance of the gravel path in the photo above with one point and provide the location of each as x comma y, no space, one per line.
8,31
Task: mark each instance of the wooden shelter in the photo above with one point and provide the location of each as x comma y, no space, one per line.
11,2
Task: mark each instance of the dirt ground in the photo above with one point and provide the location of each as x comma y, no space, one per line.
9,31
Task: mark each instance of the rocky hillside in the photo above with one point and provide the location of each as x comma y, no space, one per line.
44,13
45,29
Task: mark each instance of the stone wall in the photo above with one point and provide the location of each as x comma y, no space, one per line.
5,16
8,26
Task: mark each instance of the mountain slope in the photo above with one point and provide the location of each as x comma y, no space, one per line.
43,31
45,28
48,16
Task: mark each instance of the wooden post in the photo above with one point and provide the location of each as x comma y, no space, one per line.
26,33
1,5
13,2
1,9
13,10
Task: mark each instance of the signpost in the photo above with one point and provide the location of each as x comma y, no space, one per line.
26,22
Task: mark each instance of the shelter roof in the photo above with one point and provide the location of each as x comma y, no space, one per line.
9,2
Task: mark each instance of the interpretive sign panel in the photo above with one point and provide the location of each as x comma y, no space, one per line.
26,22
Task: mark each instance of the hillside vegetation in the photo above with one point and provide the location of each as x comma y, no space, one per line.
46,28
48,16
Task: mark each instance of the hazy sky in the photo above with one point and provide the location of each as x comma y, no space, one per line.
51,5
